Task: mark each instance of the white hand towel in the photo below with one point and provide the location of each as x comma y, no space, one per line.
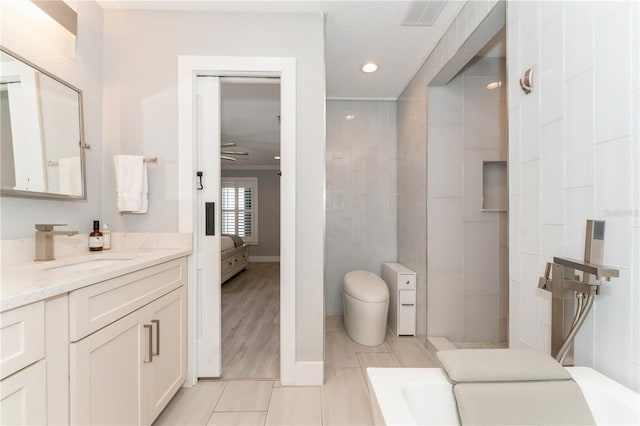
70,176
144,205
131,183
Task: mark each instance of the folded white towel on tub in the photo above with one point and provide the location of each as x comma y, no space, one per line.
131,183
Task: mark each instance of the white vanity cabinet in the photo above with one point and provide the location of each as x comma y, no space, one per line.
128,350
22,368
24,399
168,369
107,374
34,367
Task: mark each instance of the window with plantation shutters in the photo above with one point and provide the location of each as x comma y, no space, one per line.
240,208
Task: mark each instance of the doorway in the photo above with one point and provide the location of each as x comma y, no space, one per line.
204,294
250,203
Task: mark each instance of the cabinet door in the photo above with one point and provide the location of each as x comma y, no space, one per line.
24,400
107,374
21,337
167,371
407,313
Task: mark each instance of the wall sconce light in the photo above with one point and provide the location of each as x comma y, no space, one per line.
61,13
526,82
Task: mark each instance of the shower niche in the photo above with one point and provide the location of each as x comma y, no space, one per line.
495,186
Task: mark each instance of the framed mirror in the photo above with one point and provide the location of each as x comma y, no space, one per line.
41,137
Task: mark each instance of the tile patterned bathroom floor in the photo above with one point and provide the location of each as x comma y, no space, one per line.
342,400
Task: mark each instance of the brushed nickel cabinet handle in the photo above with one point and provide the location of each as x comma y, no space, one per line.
157,323
150,353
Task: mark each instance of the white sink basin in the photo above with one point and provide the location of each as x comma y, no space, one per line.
87,265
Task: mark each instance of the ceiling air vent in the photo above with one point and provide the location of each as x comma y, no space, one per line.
423,13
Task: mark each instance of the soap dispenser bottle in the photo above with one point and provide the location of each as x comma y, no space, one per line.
95,238
106,237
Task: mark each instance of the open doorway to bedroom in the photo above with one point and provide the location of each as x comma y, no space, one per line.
250,224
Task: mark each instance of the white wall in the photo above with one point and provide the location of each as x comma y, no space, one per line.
412,144
467,255
361,191
26,31
574,154
141,73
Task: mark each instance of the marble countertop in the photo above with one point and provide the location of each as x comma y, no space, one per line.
30,282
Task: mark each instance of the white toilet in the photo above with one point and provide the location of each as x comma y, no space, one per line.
365,300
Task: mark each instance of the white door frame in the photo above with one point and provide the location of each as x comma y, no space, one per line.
189,67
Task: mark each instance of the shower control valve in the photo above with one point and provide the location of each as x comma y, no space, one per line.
544,282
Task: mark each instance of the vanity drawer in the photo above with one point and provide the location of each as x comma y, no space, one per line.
98,305
21,337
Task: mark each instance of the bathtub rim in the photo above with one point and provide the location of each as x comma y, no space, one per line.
391,408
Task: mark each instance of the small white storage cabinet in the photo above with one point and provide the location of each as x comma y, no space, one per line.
402,298
128,345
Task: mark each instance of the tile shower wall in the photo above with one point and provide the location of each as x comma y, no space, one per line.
361,191
412,152
467,287
574,154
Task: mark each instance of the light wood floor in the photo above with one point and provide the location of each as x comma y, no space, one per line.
342,400
251,323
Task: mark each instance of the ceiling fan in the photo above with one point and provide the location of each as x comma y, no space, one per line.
225,154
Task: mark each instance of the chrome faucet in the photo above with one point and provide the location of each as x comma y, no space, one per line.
44,240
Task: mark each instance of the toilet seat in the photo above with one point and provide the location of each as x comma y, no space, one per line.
365,286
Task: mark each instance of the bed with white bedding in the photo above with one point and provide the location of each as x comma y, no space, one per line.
234,256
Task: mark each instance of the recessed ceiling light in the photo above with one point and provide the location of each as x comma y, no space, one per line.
277,157
494,85
369,67
349,117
